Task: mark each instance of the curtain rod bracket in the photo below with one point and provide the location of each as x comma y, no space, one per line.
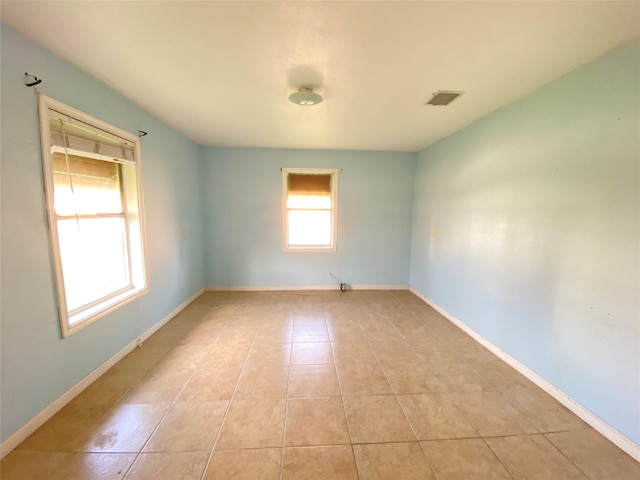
31,80
142,133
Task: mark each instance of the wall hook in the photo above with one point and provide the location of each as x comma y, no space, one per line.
142,133
31,80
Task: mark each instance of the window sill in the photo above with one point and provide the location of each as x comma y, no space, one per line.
87,317
309,249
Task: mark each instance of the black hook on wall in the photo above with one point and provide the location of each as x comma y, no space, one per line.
142,133
31,80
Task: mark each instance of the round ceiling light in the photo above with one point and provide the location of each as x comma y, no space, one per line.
306,97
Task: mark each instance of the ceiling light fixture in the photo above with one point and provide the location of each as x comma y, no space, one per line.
305,96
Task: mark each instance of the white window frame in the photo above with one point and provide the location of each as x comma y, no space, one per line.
334,210
71,322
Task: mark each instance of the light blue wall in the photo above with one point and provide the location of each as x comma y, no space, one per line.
243,218
526,228
37,365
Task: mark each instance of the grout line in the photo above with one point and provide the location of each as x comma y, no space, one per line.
171,347
226,413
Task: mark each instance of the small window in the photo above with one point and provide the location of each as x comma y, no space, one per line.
310,209
94,205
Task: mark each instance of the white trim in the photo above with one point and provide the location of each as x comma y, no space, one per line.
613,435
278,288
333,247
36,422
133,213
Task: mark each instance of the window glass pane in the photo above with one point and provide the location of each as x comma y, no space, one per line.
309,227
309,201
88,186
94,258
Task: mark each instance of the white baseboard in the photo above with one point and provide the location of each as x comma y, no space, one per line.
613,435
32,425
278,288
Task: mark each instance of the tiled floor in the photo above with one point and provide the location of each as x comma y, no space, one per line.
324,385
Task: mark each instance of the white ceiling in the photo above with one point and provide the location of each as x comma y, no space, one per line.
221,72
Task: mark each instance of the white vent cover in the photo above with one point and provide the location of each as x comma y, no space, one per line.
443,97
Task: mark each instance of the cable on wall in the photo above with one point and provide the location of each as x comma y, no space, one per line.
341,284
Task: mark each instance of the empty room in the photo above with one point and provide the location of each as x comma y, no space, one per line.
320,240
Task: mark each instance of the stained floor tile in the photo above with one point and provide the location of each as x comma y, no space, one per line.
362,385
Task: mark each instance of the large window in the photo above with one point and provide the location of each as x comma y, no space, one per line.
94,204
310,209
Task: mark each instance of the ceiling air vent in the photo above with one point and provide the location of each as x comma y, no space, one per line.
443,97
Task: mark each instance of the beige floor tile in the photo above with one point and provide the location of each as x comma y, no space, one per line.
309,318
274,333
253,424
392,461
255,464
471,351
158,386
407,375
313,381
394,352
269,354
69,430
434,351
346,333
182,357
319,463
533,457
458,377
435,416
238,334
142,358
501,376
109,387
375,419
27,465
463,459
362,379
310,333
597,457
169,335
543,412
125,428
188,426
226,354
411,378
201,334
313,353
208,384
169,466
263,382
316,421
491,414
353,352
